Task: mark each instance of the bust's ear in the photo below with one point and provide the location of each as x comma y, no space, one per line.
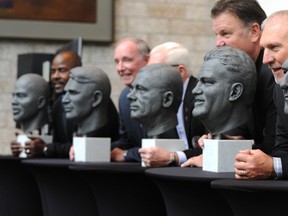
41,102
167,99
97,98
235,91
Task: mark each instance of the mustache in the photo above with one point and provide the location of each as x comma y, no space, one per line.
58,82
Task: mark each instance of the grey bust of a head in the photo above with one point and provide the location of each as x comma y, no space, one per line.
225,89
155,98
86,98
284,84
30,102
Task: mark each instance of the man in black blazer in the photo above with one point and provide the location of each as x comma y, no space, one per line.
176,55
238,24
255,164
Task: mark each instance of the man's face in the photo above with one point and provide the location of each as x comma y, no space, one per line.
212,91
128,60
230,31
145,98
24,102
78,100
275,42
60,71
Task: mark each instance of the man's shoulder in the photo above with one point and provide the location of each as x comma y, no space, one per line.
125,91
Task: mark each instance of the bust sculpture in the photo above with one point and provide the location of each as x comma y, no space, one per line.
30,102
86,98
225,89
284,84
155,98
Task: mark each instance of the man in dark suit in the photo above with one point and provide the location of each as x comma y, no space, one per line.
62,128
256,164
188,127
238,24
130,55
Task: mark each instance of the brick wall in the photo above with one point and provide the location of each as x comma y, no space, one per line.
156,21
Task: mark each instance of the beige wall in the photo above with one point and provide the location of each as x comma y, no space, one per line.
156,21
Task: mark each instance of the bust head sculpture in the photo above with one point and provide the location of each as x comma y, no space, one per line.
30,102
86,98
284,84
225,89
155,98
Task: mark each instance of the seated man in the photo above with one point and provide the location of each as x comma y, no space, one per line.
30,107
155,98
224,94
256,164
87,101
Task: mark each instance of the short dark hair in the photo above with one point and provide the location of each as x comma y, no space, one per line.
249,11
75,58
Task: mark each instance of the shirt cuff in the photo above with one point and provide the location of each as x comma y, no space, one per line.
277,167
181,156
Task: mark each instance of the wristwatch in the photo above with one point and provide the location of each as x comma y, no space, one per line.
172,158
124,154
45,149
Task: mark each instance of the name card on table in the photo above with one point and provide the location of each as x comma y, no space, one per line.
92,149
219,155
171,145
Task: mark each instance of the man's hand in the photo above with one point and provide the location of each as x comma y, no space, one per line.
254,164
35,147
117,154
155,156
16,148
196,161
71,153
